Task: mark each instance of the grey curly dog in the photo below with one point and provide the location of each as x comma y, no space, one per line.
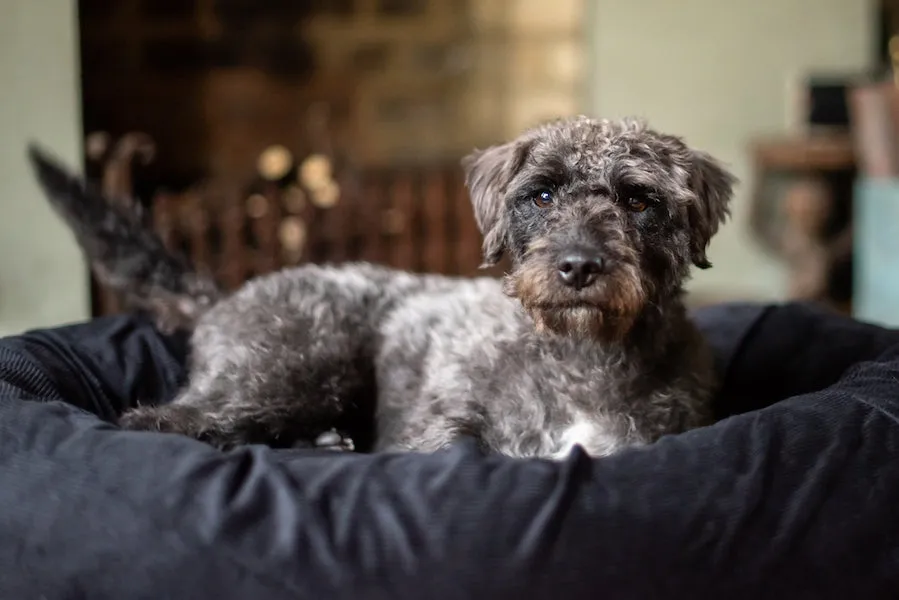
586,341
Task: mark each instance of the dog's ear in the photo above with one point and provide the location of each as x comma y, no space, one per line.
487,175
712,185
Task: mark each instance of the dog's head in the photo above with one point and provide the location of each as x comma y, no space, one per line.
599,218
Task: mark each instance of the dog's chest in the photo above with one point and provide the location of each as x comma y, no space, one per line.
496,380
468,362
548,403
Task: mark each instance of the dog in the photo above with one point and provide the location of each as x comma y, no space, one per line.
584,342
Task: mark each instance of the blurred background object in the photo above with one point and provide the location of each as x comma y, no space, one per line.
263,134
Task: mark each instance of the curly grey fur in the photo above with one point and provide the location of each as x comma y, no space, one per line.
528,366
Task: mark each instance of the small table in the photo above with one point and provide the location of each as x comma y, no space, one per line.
807,221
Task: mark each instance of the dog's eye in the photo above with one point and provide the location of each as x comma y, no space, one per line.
543,199
636,204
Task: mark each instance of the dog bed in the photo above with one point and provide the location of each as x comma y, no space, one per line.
792,494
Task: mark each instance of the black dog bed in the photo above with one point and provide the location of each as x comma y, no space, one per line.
793,494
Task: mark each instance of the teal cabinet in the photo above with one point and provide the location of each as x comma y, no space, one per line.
876,251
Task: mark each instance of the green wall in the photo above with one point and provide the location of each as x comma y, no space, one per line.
43,278
720,72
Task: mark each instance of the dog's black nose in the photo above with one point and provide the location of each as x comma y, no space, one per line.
579,270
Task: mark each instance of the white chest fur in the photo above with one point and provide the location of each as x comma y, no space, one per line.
590,435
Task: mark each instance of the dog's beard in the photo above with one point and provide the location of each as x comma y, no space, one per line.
604,312
584,322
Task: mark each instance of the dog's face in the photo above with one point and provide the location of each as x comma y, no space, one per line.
600,219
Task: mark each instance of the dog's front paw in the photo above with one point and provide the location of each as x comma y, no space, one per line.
177,418
148,419
331,440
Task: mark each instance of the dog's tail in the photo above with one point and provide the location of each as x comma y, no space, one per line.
124,253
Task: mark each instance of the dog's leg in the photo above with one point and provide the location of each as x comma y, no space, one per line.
221,425
275,394
288,358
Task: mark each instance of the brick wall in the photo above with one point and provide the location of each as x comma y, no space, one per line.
405,81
